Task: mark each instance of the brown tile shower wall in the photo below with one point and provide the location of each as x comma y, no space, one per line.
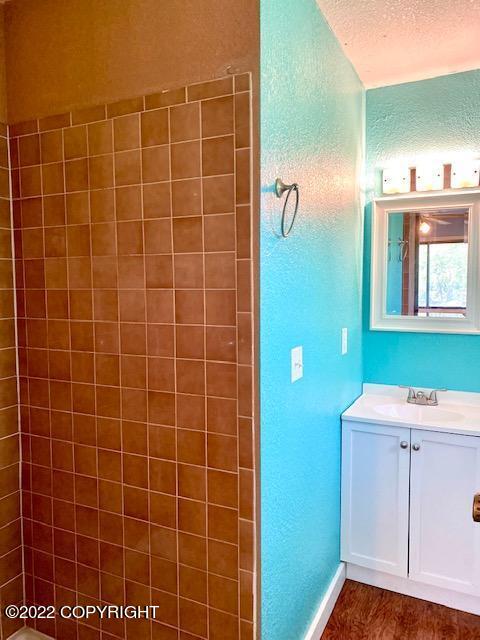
11,580
134,272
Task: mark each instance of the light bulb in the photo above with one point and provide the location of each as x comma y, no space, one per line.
424,227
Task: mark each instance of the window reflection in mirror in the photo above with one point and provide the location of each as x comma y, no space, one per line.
427,263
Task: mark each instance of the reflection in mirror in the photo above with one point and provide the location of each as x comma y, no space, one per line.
427,263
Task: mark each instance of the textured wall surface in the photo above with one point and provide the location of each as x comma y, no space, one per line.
133,251
311,132
432,118
66,55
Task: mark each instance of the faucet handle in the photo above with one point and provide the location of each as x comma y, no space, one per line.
433,395
411,392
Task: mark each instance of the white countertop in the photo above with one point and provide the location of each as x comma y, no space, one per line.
457,411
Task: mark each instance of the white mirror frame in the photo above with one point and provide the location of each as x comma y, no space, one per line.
379,320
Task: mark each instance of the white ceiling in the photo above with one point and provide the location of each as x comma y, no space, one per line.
394,41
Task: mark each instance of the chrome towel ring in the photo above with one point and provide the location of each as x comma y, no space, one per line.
280,188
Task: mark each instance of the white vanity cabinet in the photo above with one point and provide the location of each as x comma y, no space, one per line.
444,539
375,487
407,497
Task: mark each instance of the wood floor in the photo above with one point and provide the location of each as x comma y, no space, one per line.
368,613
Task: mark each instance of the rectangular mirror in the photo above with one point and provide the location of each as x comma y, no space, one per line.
425,263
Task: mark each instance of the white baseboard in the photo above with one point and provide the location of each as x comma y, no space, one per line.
327,604
28,634
446,597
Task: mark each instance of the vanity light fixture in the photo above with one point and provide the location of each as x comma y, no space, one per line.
396,180
429,177
465,173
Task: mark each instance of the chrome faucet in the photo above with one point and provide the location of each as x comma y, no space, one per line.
421,397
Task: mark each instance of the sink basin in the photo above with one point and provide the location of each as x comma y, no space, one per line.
418,414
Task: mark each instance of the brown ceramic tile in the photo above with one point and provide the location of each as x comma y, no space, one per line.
221,344
165,98
221,307
191,411
29,150
185,160
77,208
154,127
243,176
163,510
242,120
158,236
242,82
222,415
160,306
127,167
159,271
189,307
220,271
76,175
30,181
192,482
210,89
160,340
101,172
223,594
88,114
186,197
190,377
129,238
128,203
124,106
100,138
219,195
23,128
102,205
217,116
223,558
185,122
156,200
191,516
126,132
219,233
190,342
155,164
52,178
75,142
54,122
161,374
189,271
51,144
222,524
218,156
223,488
246,494
187,235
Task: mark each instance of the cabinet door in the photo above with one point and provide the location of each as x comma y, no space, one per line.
444,539
375,481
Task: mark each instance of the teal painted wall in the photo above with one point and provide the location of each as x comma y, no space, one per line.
311,132
432,118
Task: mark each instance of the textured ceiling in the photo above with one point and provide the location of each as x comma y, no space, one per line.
394,41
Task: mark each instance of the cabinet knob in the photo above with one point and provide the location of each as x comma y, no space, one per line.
416,447
404,444
476,508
